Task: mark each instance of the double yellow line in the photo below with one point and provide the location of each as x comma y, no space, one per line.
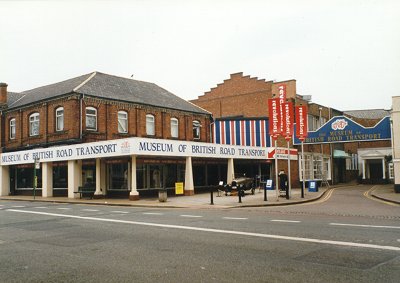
367,194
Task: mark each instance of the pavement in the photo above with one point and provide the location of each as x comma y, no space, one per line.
203,200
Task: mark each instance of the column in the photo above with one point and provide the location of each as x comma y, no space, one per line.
189,185
47,179
231,171
383,169
98,193
74,177
134,194
103,183
363,169
4,181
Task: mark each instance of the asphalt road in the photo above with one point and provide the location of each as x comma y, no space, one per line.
345,237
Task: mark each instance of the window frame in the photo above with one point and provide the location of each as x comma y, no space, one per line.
196,129
174,127
150,126
122,112
90,115
58,117
13,126
34,118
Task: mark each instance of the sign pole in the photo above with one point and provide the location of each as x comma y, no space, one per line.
303,169
289,187
276,170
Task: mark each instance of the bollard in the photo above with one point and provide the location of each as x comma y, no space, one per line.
240,195
265,193
212,196
287,192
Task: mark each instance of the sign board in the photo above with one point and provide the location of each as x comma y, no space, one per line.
269,185
343,129
282,153
312,186
274,117
282,99
287,120
179,188
301,122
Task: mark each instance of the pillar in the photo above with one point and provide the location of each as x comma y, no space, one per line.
47,179
98,193
74,177
383,169
231,171
4,181
189,185
134,194
363,169
103,179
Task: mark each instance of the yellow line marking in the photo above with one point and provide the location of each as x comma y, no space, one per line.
367,194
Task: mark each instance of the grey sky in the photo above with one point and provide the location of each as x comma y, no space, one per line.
346,54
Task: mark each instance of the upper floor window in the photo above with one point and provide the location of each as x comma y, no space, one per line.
150,129
12,128
59,119
196,130
174,127
34,124
91,118
122,122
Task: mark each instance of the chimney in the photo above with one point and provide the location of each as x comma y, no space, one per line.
3,93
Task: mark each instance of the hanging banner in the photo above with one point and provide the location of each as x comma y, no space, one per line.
282,99
343,129
301,122
287,120
274,117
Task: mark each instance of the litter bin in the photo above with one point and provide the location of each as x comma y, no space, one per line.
312,186
162,195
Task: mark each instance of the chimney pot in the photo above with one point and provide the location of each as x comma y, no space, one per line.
3,93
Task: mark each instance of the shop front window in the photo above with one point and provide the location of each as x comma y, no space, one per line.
24,177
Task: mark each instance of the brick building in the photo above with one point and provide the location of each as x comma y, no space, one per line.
57,121
245,97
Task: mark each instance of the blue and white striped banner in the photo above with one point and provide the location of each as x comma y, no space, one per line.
242,132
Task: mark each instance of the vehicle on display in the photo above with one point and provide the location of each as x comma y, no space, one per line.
240,185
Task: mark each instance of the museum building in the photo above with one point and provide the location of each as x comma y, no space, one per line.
123,136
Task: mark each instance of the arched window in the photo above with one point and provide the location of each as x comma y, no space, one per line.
34,124
174,128
91,119
12,129
122,122
60,119
150,129
196,130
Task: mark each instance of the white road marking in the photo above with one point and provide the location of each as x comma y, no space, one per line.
63,208
117,211
366,226
18,206
87,209
286,221
192,216
40,207
220,231
235,218
153,213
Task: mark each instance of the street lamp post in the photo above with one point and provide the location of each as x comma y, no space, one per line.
36,166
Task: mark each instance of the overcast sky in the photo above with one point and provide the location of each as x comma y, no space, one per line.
345,54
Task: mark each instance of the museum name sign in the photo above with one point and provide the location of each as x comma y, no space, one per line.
133,146
343,129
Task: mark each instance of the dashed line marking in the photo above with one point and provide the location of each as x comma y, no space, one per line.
235,218
366,226
153,213
190,216
40,207
18,206
285,221
63,208
118,211
90,210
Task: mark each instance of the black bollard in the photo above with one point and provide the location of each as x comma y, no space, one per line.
287,192
265,193
240,195
212,196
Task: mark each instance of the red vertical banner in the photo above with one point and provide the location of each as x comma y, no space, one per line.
282,99
287,120
274,117
301,122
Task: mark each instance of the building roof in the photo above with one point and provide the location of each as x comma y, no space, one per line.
368,114
106,86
